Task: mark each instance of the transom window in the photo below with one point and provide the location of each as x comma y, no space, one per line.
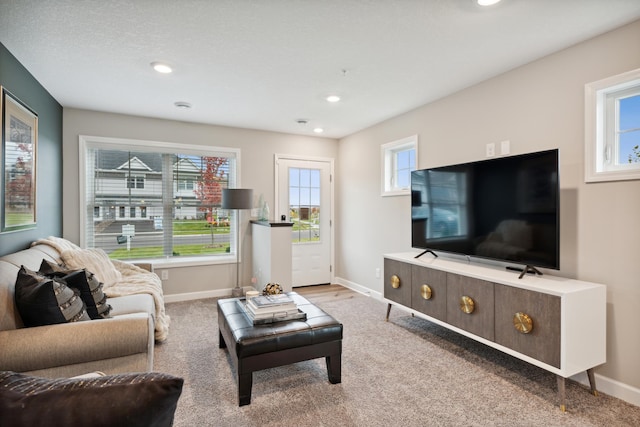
398,160
612,133
171,212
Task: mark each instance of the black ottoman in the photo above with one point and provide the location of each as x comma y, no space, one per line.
253,348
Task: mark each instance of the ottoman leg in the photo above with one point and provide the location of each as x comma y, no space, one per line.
245,381
334,368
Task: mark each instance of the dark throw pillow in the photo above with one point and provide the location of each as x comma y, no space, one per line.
138,399
45,301
86,282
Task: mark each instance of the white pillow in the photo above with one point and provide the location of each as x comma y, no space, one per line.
94,260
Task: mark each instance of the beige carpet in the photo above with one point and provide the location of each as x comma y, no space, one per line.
406,372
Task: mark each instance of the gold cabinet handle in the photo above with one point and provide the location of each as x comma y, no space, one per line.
425,291
395,282
467,304
522,322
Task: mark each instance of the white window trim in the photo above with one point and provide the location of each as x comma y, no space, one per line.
152,146
386,155
595,132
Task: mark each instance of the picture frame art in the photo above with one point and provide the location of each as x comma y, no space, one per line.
19,155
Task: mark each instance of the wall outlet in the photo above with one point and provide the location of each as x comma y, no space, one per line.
377,273
491,149
505,147
164,275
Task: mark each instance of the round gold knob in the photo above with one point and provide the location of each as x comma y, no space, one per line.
425,291
395,282
522,322
467,304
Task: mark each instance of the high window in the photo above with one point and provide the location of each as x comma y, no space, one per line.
172,197
612,133
398,160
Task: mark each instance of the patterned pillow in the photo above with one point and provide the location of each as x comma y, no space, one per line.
86,282
94,260
139,399
45,301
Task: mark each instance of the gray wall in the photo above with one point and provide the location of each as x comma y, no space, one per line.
257,172
17,80
538,106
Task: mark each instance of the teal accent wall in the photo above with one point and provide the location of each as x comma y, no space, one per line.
17,80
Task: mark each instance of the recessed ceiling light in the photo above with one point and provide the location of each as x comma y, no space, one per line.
182,104
161,67
333,98
318,130
487,2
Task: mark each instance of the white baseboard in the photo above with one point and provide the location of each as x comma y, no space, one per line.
357,288
611,387
604,384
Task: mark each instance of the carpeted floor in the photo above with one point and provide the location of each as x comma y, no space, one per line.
405,372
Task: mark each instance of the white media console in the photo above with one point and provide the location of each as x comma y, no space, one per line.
555,323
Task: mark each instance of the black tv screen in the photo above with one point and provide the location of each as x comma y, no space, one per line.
504,209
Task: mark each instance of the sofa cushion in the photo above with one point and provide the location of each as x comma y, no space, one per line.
84,281
95,260
45,301
137,399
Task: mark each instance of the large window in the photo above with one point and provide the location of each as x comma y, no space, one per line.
612,133
398,160
170,206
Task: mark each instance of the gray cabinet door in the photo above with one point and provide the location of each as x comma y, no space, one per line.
543,341
481,320
402,293
436,280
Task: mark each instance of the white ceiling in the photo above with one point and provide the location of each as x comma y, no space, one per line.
263,64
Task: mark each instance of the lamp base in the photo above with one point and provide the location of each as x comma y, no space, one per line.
237,292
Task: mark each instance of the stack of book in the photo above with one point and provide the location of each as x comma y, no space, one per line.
271,308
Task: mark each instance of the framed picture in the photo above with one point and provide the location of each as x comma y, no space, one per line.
19,153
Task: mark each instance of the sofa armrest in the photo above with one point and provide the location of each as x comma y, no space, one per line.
42,347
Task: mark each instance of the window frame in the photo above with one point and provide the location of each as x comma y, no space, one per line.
108,143
388,173
601,118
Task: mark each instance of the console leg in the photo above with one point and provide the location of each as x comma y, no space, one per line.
592,382
388,311
561,393
221,343
334,368
245,382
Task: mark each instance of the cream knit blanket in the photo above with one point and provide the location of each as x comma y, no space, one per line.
130,279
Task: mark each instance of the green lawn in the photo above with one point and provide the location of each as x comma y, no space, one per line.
178,250
186,228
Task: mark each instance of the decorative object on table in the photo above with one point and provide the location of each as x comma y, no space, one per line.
237,199
250,294
272,289
19,143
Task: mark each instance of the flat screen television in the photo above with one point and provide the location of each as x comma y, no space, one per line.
503,209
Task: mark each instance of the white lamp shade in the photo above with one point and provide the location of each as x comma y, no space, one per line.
237,198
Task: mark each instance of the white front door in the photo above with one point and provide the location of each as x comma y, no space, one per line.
304,197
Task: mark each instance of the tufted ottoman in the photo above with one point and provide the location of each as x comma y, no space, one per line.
253,348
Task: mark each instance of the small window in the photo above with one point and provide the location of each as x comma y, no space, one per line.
135,182
132,212
96,211
121,212
399,159
612,133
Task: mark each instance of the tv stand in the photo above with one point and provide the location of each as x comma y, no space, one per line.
426,251
527,269
554,323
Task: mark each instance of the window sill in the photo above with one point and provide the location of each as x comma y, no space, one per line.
164,263
396,193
